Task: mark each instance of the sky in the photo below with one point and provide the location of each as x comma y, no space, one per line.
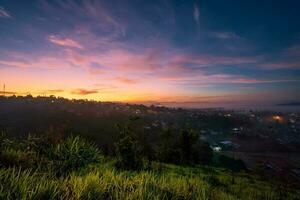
187,51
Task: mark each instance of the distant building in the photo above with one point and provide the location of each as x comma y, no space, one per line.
217,149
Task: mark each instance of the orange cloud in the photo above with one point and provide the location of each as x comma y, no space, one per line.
83,91
65,42
7,93
52,91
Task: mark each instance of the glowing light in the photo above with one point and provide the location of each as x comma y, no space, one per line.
277,118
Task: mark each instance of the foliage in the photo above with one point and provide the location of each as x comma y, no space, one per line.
74,153
70,154
166,151
103,182
90,179
128,150
186,149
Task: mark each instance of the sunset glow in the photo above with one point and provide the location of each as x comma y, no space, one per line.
162,51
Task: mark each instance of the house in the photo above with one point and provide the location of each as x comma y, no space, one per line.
217,149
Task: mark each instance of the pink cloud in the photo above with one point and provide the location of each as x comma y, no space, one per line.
226,35
281,65
67,42
203,60
126,80
42,62
14,63
219,78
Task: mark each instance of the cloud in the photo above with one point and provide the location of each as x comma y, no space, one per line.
4,13
288,58
26,60
282,65
83,92
67,42
199,79
294,50
209,60
226,35
126,80
196,14
97,14
55,91
12,63
8,93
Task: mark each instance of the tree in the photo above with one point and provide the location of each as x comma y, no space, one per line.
204,153
166,149
192,150
185,144
127,150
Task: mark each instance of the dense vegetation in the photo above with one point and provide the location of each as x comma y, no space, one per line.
73,168
97,120
137,152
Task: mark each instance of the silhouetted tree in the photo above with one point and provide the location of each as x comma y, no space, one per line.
186,146
166,149
203,153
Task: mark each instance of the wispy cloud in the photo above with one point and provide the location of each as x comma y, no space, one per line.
190,79
54,91
12,63
226,35
67,42
95,11
81,91
196,14
126,80
4,13
281,65
8,93
40,62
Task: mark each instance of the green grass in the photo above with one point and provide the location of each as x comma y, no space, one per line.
103,182
89,177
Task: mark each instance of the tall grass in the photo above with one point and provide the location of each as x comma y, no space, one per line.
107,183
75,172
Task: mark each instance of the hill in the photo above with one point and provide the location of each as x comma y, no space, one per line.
76,169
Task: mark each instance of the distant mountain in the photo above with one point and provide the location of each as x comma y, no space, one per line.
289,104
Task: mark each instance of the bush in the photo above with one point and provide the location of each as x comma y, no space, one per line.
74,153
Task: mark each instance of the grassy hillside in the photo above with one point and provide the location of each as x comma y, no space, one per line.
76,169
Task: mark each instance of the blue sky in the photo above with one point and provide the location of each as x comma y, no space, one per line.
205,50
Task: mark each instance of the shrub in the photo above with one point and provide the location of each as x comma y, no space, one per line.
72,154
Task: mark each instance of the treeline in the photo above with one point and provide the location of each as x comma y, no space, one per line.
134,134
184,148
